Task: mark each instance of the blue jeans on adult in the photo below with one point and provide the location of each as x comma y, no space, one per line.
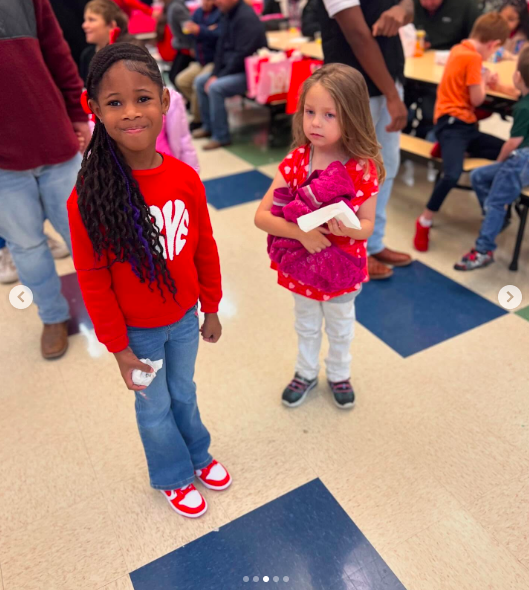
2,243
497,186
27,198
212,109
175,441
390,143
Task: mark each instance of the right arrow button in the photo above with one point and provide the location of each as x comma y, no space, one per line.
510,297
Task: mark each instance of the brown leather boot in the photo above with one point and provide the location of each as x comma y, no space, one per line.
54,340
393,258
214,145
377,270
200,133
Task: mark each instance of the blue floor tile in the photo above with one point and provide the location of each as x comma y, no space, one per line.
304,535
375,577
236,189
419,307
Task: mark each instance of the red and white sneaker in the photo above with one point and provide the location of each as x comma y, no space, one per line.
422,237
187,501
214,476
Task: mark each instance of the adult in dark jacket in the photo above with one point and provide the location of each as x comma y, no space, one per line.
310,23
70,14
242,34
43,128
204,26
446,22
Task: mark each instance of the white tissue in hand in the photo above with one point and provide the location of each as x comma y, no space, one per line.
142,378
322,215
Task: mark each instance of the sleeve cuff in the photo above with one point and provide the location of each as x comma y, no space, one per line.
333,7
118,344
209,307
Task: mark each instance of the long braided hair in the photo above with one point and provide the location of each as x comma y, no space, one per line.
110,202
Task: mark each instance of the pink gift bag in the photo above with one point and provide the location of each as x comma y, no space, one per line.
251,65
274,80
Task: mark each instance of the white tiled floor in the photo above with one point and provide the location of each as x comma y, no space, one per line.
432,464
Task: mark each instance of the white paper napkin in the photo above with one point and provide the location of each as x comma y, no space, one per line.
322,215
142,378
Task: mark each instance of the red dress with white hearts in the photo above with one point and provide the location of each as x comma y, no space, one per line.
294,169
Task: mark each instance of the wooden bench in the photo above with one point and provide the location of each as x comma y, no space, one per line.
420,150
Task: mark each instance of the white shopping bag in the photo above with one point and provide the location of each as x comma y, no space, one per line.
408,38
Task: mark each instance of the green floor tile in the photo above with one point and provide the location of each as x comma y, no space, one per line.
251,144
258,155
523,313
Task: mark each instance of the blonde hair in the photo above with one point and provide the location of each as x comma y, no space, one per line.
110,11
348,90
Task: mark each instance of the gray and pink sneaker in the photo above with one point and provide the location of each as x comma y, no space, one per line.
474,259
296,391
343,393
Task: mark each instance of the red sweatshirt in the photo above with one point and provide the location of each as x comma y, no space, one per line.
114,297
41,88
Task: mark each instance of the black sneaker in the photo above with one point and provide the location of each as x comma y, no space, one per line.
473,260
344,395
296,391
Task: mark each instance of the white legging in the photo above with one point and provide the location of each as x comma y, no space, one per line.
339,325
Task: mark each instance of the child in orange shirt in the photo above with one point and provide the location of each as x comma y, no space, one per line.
462,89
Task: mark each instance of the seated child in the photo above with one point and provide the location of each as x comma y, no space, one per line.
516,14
500,184
204,28
462,89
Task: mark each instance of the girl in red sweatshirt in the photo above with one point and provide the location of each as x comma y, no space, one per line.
144,252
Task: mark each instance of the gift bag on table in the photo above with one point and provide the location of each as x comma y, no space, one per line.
252,65
268,74
300,71
274,80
